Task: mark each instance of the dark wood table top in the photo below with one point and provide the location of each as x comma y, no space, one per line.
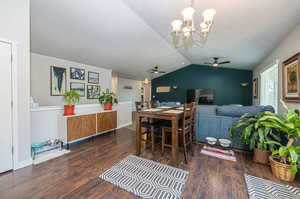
162,113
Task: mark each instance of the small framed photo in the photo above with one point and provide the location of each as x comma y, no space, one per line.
78,87
93,77
58,81
77,73
291,79
255,88
93,91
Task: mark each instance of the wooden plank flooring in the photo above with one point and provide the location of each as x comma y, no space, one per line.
75,175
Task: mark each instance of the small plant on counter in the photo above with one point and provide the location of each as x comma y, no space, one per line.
70,98
108,98
284,161
251,131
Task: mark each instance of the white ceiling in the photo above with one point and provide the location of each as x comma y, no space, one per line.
131,36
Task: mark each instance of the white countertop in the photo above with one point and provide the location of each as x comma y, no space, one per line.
79,106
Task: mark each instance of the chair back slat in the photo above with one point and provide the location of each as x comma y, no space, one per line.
188,115
138,106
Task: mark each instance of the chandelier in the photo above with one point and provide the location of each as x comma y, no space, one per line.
186,34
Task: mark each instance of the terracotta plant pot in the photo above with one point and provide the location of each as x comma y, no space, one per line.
281,171
69,110
261,156
107,107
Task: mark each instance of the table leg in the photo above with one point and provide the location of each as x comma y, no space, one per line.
138,134
174,141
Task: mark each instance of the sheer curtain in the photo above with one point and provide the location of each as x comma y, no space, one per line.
269,86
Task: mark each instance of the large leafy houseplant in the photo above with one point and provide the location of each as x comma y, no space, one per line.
70,98
251,131
108,98
288,154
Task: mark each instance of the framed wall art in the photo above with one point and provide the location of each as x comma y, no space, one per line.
291,79
255,88
77,73
58,81
93,78
78,87
93,91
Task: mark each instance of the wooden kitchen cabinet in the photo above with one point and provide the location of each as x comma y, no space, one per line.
106,121
81,126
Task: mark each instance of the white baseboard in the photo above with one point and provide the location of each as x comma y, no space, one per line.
23,164
124,125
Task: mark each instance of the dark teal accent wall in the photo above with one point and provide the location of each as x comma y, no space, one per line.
225,82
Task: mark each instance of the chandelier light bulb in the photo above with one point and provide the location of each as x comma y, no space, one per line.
176,24
208,15
203,25
188,14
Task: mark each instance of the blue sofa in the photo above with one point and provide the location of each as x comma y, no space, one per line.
214,121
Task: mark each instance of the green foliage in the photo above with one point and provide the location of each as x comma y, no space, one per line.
71,97
108,97
289,126
252,131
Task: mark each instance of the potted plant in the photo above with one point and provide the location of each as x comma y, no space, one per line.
70,98
108,98
284,161
251,131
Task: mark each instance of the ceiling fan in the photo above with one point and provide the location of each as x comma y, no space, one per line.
216,62
156,71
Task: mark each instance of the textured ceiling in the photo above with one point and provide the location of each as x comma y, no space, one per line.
131,36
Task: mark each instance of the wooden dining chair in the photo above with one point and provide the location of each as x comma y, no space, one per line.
185,133
152,126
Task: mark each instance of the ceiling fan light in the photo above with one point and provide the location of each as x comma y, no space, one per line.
176,25
188,14
215,64
208,15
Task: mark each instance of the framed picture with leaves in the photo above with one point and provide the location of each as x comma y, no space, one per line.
291,79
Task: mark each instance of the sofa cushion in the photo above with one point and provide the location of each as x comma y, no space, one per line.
236,111
207,109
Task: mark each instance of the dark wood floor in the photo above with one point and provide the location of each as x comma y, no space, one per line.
75,175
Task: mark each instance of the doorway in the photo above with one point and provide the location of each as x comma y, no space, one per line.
269,86
6,127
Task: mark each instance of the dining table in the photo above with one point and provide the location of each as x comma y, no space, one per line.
173,114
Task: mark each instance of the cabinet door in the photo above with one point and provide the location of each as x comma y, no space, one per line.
74,126
88,125
106,121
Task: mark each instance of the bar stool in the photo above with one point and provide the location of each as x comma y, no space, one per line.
152,127
184,132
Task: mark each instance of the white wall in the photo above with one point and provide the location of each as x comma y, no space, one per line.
14,22
40,79
287,48
133,94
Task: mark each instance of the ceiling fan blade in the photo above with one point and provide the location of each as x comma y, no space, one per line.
225,62
161,71
208,63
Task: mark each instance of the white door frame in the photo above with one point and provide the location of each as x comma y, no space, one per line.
14,82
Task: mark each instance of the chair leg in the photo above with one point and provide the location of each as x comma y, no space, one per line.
163,137
191,143
152,139
184,147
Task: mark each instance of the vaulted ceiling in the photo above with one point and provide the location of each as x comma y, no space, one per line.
132,36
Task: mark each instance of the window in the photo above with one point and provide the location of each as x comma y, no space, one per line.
269,86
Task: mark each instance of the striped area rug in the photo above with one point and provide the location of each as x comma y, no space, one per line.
146,178
259,188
